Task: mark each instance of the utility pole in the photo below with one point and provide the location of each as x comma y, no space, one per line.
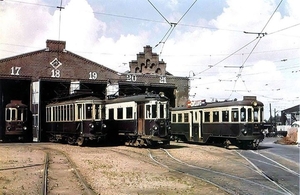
270,113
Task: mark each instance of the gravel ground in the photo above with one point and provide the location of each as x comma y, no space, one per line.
111,170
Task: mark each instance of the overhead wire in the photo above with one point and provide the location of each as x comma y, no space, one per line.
260,35
172,25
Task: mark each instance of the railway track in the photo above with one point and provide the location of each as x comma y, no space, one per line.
255,183
275,169
61,175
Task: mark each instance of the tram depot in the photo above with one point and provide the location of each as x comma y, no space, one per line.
38,77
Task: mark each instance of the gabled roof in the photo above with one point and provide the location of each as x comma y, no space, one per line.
294,109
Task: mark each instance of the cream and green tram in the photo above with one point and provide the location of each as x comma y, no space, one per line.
235,122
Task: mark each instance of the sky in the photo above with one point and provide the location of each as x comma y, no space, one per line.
228,48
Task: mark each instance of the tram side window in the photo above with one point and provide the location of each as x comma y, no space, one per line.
65,107
72,112
249,115
48,114
66,112
119,113
79,109
174,118
186,117
234,115
129,112
206,116
180,117
111,113
243,114
215,116
58,113
225,116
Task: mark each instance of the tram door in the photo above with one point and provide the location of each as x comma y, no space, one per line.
195,125
141,118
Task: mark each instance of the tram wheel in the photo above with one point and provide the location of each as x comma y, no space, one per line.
81,141
71,140
226,143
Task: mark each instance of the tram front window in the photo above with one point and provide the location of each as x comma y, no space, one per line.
161,111
19,114
249,115
154,111
13,115
243,114
255,114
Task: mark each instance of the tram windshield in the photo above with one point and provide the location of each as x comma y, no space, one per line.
157,110
14,114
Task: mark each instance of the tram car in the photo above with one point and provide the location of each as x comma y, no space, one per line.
76,121
238,123
17,122
140,120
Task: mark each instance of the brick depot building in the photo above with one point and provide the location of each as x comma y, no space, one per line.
40,76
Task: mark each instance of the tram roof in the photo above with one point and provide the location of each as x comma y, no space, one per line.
77,99
16,104
138,98
245,102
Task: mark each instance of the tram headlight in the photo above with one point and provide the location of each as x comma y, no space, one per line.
254,103
103,125
244,131
91,126
24,128
155,128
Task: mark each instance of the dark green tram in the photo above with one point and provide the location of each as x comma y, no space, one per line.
17,122
234,122
76,121
140,120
